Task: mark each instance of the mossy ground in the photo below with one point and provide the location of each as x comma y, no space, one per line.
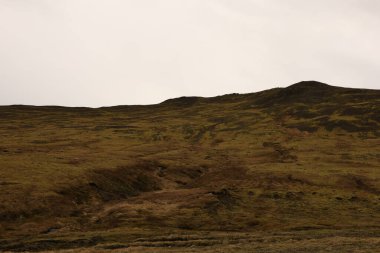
305,158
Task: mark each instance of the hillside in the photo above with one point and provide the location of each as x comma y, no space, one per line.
298,164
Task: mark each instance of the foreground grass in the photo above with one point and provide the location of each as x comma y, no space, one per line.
182,241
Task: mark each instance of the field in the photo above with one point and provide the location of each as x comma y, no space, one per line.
293,169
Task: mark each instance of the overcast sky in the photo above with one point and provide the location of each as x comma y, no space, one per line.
111,52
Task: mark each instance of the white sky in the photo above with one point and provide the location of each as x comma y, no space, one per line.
111,52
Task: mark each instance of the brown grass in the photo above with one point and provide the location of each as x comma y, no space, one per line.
304,158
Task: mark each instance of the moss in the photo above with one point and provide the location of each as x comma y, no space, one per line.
269,161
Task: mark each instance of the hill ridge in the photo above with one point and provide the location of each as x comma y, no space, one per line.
302,86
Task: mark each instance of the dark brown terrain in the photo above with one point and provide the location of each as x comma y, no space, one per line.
293,169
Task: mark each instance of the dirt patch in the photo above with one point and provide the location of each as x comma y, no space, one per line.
225,199
52,244
358,182
283,154
114,184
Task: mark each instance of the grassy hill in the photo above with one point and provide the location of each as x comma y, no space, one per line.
300,162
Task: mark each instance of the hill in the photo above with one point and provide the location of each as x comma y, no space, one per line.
280,167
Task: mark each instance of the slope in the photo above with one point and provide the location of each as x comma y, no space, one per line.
305,157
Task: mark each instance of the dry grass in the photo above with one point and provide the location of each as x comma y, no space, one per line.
235,242
294,159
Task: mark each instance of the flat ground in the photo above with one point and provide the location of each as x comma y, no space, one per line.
284,170
190,241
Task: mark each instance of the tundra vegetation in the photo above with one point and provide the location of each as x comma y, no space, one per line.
293,169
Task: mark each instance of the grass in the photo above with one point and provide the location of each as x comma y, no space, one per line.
298,160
